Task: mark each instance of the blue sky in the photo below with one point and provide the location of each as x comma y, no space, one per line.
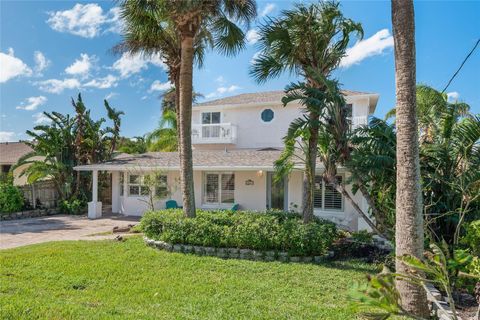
52,50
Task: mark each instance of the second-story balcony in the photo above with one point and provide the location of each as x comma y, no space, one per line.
355,122
217,133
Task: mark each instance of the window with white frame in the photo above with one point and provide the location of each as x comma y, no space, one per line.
136,186
219,188
326,197
211,117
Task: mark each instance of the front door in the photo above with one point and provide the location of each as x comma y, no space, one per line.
277,192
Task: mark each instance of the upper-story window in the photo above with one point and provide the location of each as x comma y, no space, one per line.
348,110
267,115
210,117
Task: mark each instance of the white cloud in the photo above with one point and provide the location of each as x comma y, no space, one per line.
129,64
268,9
41,62
12,66
252,36
32,103
103,83
453,96
158,86
363,49
57,86
7,136
81,66
85,20
220,79
41,118
111,95
221,90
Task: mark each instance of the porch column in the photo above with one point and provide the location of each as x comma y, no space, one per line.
94,207
125,192
116,191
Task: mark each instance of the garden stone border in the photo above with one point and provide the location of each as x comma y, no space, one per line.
29,214
438,304
235,253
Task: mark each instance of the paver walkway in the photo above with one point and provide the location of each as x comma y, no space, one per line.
16,233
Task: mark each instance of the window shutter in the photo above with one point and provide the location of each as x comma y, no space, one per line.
333,198
317,193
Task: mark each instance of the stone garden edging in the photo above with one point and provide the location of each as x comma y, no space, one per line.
29,214
438,303
235,253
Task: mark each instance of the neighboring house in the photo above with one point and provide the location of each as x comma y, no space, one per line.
42,192
236,141
10,153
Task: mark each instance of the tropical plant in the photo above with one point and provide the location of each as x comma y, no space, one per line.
187,23
449,156
305,40
135,145
11,198
408,201
68,141
372,164
164,138
332,141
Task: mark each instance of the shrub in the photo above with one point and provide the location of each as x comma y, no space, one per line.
11,198
271,230
472,237
72,206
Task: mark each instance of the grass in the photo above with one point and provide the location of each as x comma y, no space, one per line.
127,280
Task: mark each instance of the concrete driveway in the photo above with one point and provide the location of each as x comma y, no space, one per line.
16,233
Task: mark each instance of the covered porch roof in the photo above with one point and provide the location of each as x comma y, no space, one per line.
202,160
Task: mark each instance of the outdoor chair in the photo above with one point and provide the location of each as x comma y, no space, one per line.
172,204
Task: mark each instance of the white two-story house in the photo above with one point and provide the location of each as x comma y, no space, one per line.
235,142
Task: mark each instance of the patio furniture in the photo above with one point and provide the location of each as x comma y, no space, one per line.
172,204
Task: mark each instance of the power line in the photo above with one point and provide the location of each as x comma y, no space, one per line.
465,60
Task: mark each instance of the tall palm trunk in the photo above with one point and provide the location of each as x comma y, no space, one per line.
185,125
409,221
310,167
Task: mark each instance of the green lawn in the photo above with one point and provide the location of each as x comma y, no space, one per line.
107,279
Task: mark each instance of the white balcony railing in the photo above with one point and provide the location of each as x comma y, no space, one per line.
358,121
214,133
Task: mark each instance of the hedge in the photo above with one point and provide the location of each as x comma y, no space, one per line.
11,198
270,230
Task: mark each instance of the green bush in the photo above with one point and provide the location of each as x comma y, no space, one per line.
271,230
11,198
72,206
472,237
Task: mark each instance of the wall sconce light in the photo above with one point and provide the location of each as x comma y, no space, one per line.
260,173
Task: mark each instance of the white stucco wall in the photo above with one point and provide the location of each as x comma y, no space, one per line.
252,132
249,197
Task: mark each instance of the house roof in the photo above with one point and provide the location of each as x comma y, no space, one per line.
10,152
202,160
261,98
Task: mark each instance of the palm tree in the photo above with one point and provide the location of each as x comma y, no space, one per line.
431,105
114,116
188,23
305,40
164,138
409,220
